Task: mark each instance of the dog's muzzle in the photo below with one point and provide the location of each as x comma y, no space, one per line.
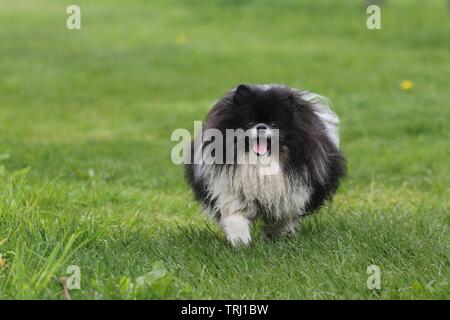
260,139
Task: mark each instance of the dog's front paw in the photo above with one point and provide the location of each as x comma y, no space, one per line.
281,230
239,239
237,229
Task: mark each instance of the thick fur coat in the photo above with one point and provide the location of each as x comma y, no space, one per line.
308,156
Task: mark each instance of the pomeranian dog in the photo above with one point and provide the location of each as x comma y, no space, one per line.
282,161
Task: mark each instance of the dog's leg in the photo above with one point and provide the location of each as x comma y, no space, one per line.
235,218
281,228
237,229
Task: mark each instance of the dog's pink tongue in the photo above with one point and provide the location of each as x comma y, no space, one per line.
260,148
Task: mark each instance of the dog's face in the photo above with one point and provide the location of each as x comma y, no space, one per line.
264,113
276,121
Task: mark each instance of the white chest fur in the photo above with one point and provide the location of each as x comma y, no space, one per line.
243,187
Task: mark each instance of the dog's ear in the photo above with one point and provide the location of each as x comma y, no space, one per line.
242,93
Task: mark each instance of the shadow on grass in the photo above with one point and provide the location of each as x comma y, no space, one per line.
373,237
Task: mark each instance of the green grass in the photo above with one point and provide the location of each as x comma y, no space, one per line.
85,172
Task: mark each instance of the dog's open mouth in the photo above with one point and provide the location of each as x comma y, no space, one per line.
261,146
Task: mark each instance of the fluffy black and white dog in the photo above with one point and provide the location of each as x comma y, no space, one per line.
235,190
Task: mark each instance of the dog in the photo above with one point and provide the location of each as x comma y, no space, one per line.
308,163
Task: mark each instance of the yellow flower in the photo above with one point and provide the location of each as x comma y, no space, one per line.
181,39
2,262
406,85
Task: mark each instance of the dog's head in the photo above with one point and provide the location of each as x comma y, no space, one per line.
267,112
304,127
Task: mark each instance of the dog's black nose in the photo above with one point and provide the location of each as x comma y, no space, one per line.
261,127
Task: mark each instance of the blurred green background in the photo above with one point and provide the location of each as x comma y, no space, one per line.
85,123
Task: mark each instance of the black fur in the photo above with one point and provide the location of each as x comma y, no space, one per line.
303,140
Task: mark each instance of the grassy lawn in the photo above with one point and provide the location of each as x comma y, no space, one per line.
85,172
